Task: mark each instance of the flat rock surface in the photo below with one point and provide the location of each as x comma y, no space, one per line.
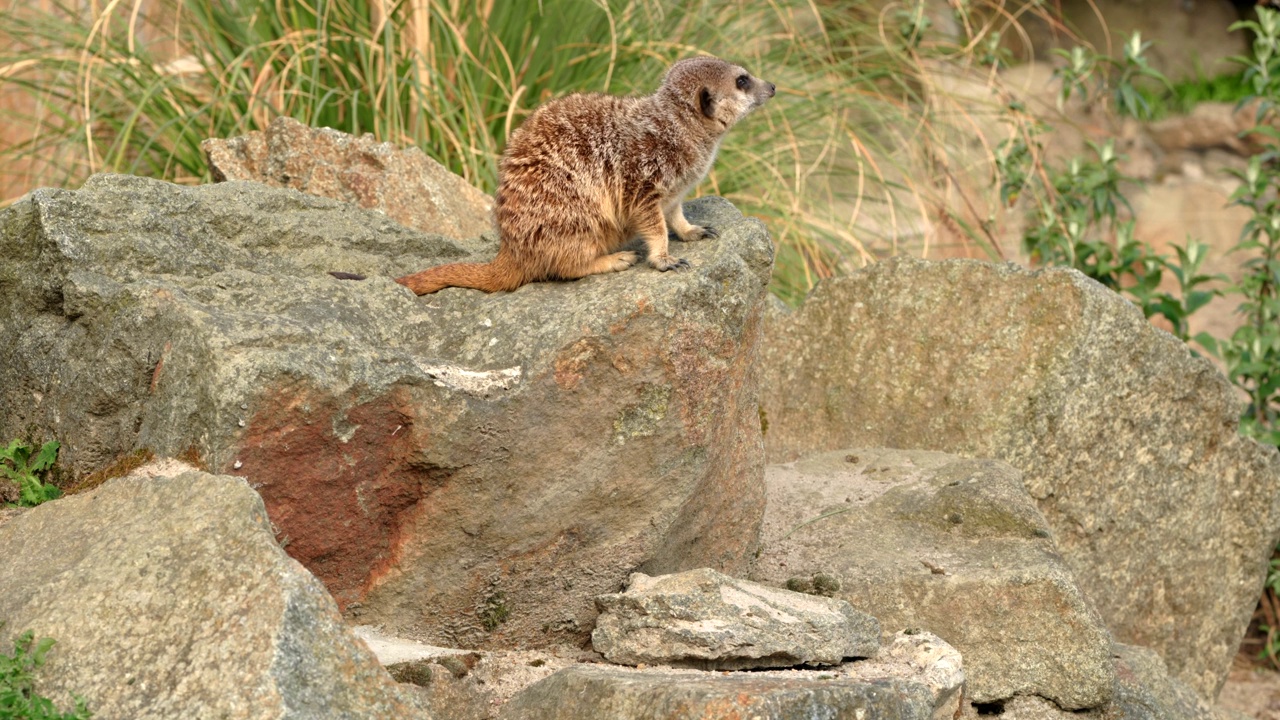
405,184
708,620
168,597
1129,445
916,677
465,469
945,544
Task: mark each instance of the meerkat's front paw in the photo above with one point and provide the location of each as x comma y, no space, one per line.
698,233
667,262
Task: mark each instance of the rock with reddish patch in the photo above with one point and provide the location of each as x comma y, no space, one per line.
472,469
167,596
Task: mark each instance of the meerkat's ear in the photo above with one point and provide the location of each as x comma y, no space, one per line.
706,103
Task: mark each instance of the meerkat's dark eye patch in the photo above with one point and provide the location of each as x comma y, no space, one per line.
706,103
744,82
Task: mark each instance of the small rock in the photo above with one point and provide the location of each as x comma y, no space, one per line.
702,618
408,186
917,677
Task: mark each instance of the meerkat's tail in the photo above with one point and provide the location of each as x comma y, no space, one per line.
500,274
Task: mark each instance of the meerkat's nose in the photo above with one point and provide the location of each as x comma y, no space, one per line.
772,89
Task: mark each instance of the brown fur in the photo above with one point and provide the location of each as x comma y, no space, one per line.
587,173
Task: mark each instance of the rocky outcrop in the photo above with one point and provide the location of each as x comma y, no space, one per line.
1143,691
705,619
406,185
474,468
1212,125
915,677
168,597
1129,445
948,545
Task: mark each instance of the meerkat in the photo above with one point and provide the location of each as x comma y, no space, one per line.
587,173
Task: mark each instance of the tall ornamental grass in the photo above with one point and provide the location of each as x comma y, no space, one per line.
842,164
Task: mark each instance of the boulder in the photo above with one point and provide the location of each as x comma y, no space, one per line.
952,546
462,467
708,620
1144,691
406,185
1165,515
168,597
915,677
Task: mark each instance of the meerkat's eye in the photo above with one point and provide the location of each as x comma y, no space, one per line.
744,82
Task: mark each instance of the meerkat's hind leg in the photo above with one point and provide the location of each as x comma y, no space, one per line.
683,229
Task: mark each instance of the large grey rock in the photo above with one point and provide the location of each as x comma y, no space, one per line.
465,468
953,546
708,620
915,677
1165,515
408,186
1144,691
168,597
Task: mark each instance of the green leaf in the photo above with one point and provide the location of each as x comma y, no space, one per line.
1198,299
48,454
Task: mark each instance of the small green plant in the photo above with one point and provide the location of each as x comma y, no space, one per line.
1252,353
1181,97
1269,609
1260,68
18,698
494,612
1085,72
17,464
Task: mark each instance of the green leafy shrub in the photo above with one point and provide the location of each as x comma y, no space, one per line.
1252,353
1089,74
1180,98
18,698
17,464
1076,223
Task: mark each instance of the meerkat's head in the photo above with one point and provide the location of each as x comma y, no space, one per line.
718,92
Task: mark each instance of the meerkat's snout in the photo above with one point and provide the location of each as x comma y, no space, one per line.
760,90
